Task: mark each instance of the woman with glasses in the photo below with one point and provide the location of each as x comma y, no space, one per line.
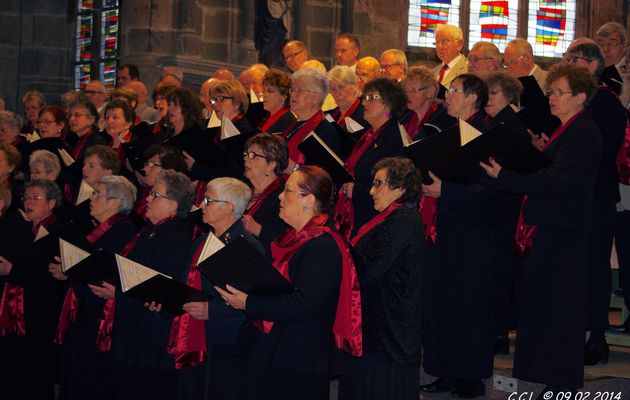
266,158
309,88
53,128
83,366
229,99
343,86
421,89
162,128
552,237
216,377
139,337
288,340
384,100
391,252
276,95
34,102
83,118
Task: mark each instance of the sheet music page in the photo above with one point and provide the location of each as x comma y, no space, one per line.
41,233
467,132
228,129
85,192
253,97
329,103
194,208
66,157
33,137
352,125
214,121
132,274
71,255
211,246
330,119
325,146
404,136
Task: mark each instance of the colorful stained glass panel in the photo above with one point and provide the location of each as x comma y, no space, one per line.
425,15
493,21
84,38
109,35
551,26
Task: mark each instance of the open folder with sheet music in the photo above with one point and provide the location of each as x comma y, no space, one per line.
319,153
242,266
146,285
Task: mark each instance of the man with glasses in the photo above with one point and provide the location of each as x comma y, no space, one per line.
366,69
448,45
518,59
484,57
295,53
97,94
393,64
611,38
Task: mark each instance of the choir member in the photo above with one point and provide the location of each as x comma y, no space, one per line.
276,95
343,87
421,89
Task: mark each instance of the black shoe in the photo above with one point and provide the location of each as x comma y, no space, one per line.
550,392
501,345
468,388
596,352
440,385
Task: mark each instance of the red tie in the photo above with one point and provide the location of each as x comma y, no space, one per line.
442,72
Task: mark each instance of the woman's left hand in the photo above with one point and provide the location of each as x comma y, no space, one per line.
5,266
251,225
106,291
233,297
493,170
189,160
434,189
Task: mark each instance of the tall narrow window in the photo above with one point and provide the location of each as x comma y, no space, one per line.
551,26
426,15
493,21
97,42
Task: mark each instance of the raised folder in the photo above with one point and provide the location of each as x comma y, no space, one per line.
315,150
242,266
146,285
88,267
538,118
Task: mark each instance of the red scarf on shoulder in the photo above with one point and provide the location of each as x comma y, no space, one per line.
294,153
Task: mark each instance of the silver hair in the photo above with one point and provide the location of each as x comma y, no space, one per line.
49,160
342,73
12,119
399,57
455,31
609,28
233,191
318,79
35,95
119,187
178,189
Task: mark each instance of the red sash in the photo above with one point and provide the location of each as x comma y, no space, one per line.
526,233
377,219
347,326
200,192
262,197
81,143
341,121
187,340
344,211
273,119
141,206
298,137
428,212
12,302
415,124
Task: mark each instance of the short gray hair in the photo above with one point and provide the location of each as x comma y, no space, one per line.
50,188
233,191
400,58
11,118
342,73
178,189
119,187
318,78
455,31
609,28
49,160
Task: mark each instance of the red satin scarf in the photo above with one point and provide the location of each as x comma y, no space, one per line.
415,124
296,138
525,233
347,326
341,121
81,143
273,119
262,197
377,219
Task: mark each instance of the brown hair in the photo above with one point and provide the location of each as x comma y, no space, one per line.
189,103
235,90
280,80
107,155
274,147
14,157
60,115
317,182
580,79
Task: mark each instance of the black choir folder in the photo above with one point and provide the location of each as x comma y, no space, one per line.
538,118
85,267
240,265
318,152
145,285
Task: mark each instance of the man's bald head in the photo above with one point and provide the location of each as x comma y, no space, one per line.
367,68
295,53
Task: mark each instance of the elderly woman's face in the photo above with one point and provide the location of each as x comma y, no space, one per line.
32,109
224,104
80,120
376,111
38,171
101,208
497,101
273,100
93,169
293,201
562,101
304,98
48,127
256,164
215,209
115,122
418,94
381,193
159,206
457,102
8,133
152,167
5,168
36,207
344,93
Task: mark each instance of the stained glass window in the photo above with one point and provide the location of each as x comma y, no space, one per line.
551,26
493,21
425,15
97,42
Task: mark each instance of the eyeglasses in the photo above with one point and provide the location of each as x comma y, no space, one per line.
251,155
152,164
219,99
155,195
287,191
300,90
557,93
379,182
609,43
33,197
415,90
207,201
45,122
76,115
444,42
475,60
92,92
573,58
387,67
292,55
98,195
370,97
455,90
510,63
